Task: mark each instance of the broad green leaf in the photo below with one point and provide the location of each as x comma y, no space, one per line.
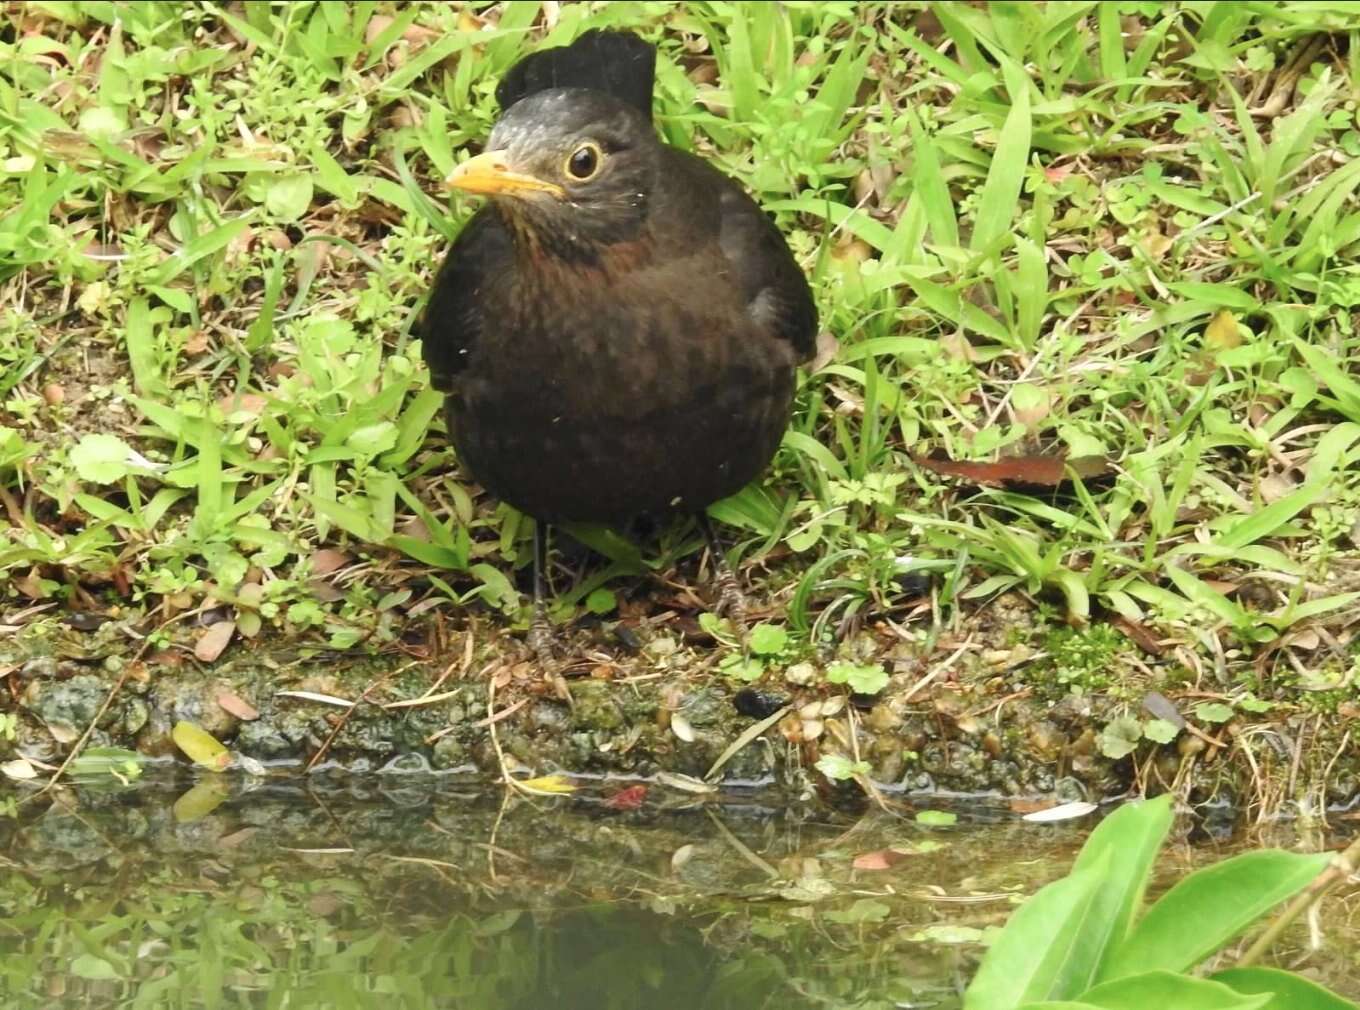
1120,737
815,451
767,639
996,205
862,678
105,760
930,184
601,601
1128,841
839,767
1294,134
1209,908
96,969
140,337
1341,383
936,818
1213,711
349,519
1169,990
198,248
288,197
1287,990
101,459
1270,519
1045,951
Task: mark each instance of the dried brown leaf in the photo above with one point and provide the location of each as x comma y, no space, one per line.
214,640
237,706
328,560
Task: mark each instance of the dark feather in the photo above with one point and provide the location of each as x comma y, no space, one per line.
753,254
617,63
452,322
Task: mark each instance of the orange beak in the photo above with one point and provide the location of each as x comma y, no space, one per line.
489,174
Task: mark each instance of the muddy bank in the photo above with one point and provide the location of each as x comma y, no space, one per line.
989,723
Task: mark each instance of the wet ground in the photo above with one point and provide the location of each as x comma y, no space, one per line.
420,891
1000,723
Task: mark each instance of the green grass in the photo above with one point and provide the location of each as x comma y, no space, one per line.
1102,229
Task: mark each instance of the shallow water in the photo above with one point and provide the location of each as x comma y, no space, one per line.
413,892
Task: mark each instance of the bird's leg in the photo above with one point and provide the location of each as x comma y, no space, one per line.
541,638
731,600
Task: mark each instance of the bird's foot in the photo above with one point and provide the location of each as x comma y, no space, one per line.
731,600
543,643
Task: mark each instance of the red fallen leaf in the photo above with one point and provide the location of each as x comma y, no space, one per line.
1057,173
880,859
237,706
1019,471
627,799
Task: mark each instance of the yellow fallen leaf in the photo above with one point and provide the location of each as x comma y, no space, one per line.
200,746
1222,333
547,784
205,797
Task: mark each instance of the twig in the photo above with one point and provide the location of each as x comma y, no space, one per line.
504,713
108,700
741,849
424,699
749,734
340,724
925,681
492,717
1343,866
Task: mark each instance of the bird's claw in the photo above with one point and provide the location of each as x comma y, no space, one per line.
731,601
543,642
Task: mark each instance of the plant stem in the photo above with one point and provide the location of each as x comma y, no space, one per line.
1342,866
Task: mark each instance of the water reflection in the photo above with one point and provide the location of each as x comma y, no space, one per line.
361,893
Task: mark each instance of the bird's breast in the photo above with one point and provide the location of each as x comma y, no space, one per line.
583,340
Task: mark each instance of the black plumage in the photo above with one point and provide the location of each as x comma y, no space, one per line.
617,330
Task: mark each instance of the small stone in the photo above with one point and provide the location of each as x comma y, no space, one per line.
1189,744
448,753
801,674
39,668
662,646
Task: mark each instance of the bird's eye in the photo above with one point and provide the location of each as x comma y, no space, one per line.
583,162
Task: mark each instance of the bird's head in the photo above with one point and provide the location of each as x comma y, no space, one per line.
572,168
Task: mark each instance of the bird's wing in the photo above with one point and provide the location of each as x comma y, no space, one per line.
481,253
777,292
617,63
757,258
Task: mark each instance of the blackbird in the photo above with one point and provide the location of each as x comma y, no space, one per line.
617,329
